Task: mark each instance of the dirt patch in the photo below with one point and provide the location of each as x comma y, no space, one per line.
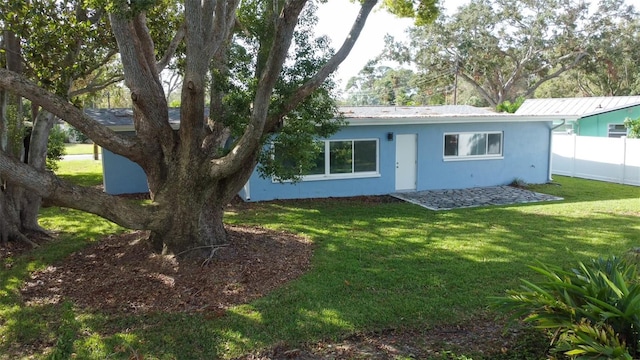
121,274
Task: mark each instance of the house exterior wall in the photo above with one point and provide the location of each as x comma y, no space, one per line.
598,125
526,154
121,175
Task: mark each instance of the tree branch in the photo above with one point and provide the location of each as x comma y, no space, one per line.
171,50
224,23
61,193
312,84
251,139
94,87
578,57
105,61
151,119
103,136
479,88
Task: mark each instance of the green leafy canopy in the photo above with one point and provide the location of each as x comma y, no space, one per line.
423,11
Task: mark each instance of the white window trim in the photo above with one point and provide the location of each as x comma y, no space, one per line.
327,166
474,157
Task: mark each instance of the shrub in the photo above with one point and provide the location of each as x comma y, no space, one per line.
510,107
634,128
77,135
55,148
593,308
518,183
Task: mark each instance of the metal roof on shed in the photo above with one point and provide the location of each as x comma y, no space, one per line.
580,107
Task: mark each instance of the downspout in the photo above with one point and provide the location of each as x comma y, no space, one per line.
551,147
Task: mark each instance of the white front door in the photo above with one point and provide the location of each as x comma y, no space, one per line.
406,161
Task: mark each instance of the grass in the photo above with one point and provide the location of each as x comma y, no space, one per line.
375,266
81,172
78,149
21,324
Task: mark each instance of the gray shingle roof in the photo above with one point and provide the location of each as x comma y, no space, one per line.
121,119
124,117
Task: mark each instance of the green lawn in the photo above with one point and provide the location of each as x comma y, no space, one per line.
82,172
78,149
375,266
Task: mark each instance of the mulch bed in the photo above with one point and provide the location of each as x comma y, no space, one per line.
121,274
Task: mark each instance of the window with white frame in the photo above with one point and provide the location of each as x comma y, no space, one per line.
344,158
617,130
476,145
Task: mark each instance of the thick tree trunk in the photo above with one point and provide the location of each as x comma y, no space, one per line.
193,228
10,209
193,225
31,202
18,207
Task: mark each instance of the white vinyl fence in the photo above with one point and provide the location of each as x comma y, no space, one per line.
598,158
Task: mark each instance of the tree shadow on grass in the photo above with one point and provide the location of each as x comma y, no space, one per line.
83,178
376,266
396,265
582,190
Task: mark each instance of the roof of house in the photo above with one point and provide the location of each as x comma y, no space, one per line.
441,114
353,112
577,107
121,119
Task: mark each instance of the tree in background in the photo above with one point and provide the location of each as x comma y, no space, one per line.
503,49
379,84
382,85
611,67
265,81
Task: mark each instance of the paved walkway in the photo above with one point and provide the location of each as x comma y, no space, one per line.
474,197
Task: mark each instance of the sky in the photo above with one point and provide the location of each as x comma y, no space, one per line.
336,18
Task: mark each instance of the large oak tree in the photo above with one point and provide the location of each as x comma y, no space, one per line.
259,87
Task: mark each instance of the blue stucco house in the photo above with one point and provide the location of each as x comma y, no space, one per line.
385,150
601,116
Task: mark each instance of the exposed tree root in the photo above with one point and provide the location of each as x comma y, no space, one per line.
214,249
17,235
10,232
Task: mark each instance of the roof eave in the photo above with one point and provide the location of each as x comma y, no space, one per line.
455,120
